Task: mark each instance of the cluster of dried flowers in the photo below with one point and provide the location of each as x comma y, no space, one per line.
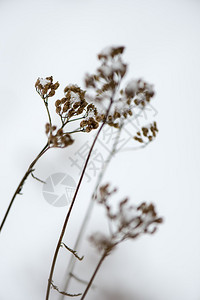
106,83
90,107
74,104
106,101
45,87
58,139
78,104
147,133
127,222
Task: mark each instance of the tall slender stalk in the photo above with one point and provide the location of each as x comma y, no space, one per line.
94,274
29,170
88,213
21,184
72,261
73,201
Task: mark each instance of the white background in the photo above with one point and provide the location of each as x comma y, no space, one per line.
61,38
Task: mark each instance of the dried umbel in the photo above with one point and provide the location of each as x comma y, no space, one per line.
126,222
73,105
106,83
108,76
112,70
147,134
139,91
58,139
45,87
102,242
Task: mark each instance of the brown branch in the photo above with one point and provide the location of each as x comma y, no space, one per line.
72,203
21,184
94,274
79,279
64,293
74,252
38,179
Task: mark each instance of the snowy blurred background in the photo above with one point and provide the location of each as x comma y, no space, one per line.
61,38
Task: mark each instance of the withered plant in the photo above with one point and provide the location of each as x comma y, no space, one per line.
106,101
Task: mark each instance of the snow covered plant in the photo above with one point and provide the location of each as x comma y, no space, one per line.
114,104
127,222
105,101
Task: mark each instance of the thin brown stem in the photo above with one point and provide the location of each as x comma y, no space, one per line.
74,252
63,293
20,186
48,113
80,280
94,274
73,261
72,203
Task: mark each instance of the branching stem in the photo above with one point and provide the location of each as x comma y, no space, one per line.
72,203
74,252
72,261
94,274
21,184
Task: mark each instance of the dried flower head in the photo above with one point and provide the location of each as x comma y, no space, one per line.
72,104
127,221
106,84
58,139
101,242
45,87
147,133
109,74
139,91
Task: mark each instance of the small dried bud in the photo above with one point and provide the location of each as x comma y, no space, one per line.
57,103
58,109
47,127
140,140
45,87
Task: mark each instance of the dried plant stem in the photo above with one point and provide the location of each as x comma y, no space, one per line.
74,252
72,203
88,213
63,293
94,274
20,186
72,261
48,113
81,280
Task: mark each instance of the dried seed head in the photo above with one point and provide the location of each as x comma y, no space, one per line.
73,103
57,103
58,109
148,132
45,87
47,128
101,242
58,139
139,91
108,76
128,221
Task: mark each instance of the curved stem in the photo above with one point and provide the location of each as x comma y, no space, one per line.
20,186
72,204
94,274
48,113
83,226
72,261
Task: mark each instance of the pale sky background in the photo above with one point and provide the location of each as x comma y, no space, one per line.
61,38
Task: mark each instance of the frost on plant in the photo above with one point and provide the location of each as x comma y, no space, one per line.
106,101
128,221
